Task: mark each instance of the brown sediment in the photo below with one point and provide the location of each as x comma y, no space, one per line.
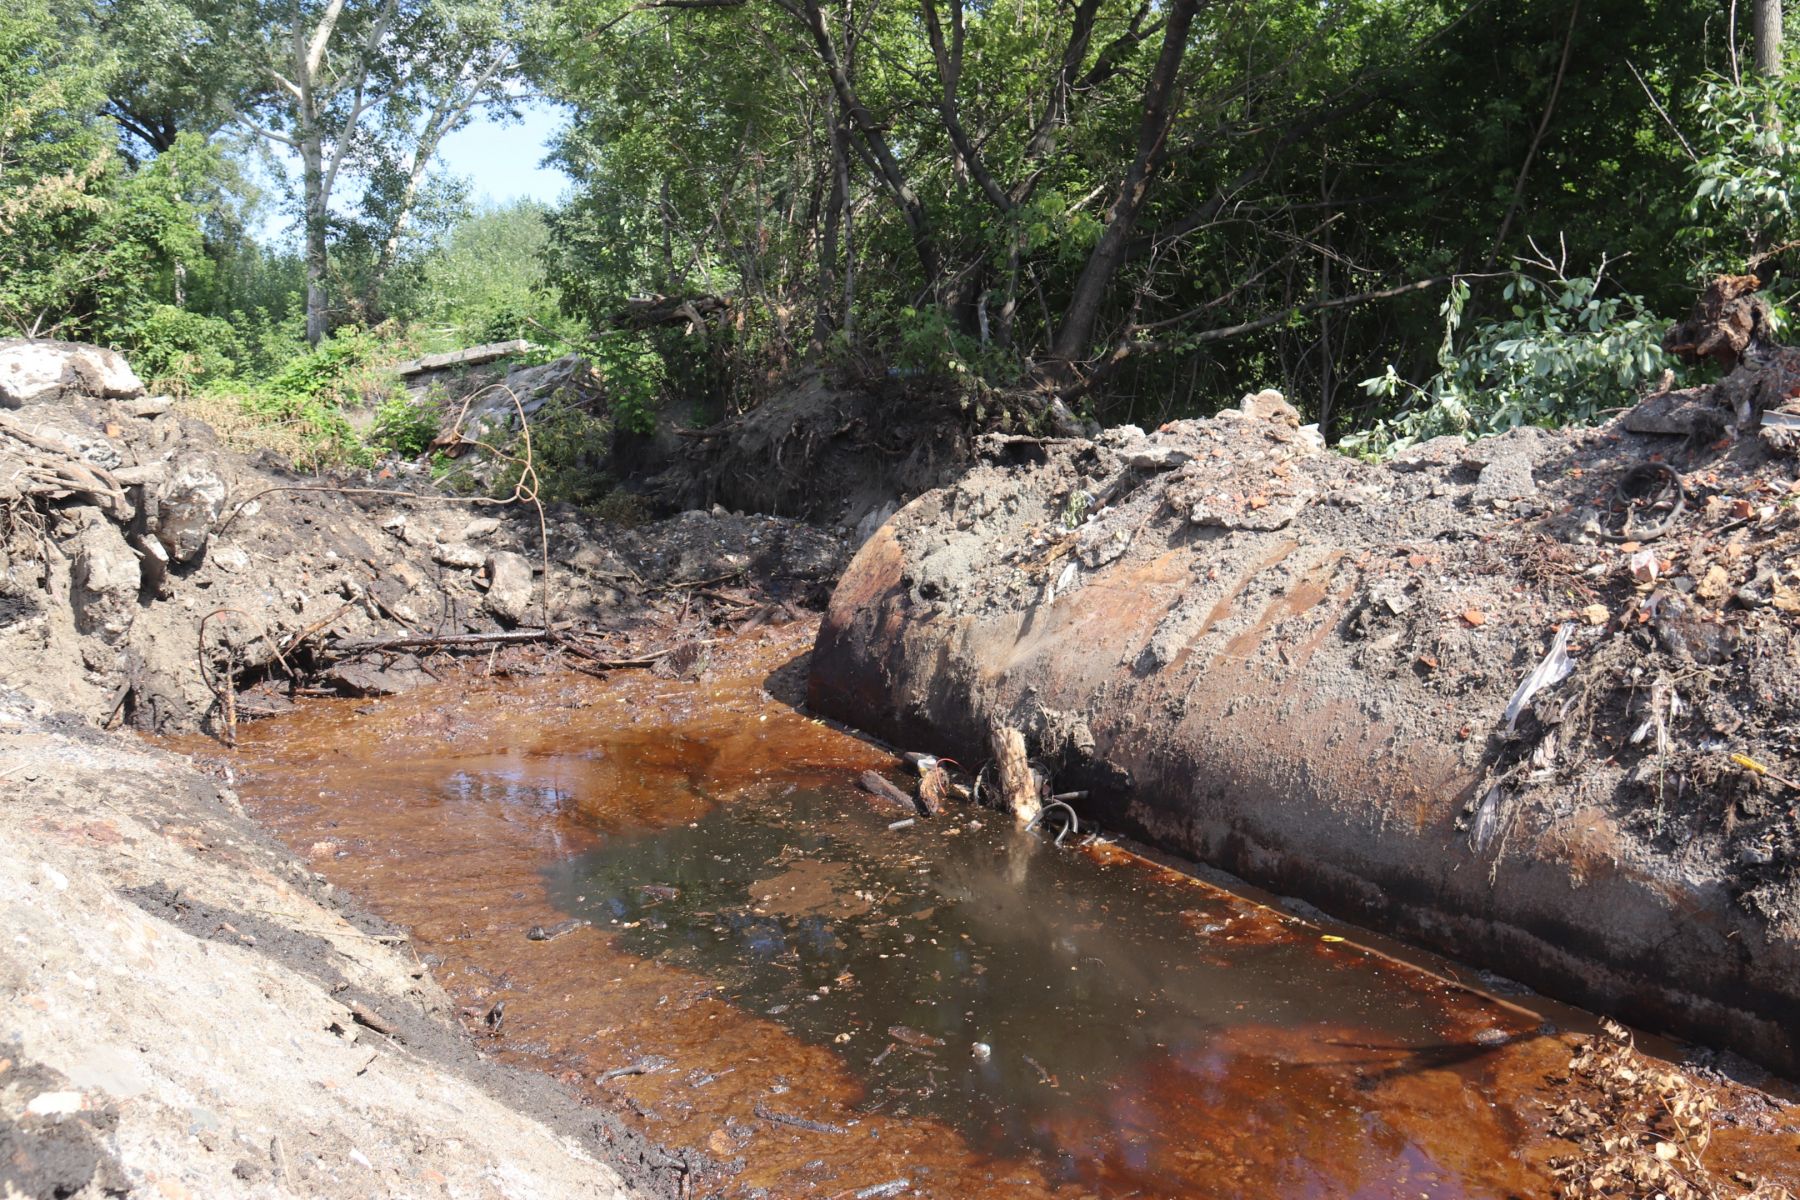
1152,1035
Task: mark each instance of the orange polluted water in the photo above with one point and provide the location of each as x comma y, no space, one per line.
799,992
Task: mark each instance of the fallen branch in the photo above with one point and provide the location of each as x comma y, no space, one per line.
769,1114
440,641
872,782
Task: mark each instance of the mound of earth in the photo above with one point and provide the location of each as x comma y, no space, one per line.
1531,700
147,569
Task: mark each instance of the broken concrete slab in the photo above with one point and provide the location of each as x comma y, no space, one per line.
44,372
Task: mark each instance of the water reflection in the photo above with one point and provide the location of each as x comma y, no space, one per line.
1121,1046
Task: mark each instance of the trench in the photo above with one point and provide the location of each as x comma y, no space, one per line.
792,998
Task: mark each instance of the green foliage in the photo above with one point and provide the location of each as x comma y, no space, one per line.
176,349
1746,179
484,280
86,243
569,446
306,397
1567,351
405,426
635,376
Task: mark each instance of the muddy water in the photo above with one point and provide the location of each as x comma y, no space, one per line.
771,977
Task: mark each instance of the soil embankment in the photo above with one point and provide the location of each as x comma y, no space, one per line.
192,1011
1308,671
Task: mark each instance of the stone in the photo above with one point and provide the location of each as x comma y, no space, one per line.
1270,405
479,528
92,448
1158,457
509,592
149,406
188,505
1505,478
457,554
105,580
45,372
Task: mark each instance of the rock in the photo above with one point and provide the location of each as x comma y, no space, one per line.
479,528
1159,457
457,554
1270,405
187,507
1505,478
105,581
509,586
149,406
93,448
1715,586
44,372
361,679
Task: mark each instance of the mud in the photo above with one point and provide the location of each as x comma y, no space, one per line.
1296,667
785,994
180,999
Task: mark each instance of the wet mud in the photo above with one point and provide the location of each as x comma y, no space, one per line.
794,999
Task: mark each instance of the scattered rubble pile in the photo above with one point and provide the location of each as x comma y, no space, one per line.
147,572
1532,700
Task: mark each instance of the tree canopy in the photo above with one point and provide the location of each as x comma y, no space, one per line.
1139,207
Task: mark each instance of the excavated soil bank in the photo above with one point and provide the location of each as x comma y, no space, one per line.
1298,667
783,993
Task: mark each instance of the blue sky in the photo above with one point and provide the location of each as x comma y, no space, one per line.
502,161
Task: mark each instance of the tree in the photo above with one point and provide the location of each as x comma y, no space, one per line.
177,63
1765,37
352,83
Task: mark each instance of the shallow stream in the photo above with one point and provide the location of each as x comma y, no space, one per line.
771,976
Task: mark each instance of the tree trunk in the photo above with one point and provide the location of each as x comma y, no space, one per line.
1765,38
1109,252
312,173
874,143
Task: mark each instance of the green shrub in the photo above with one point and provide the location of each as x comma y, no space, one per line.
569,447
1566,352
176,349
635,377
1746,171
405,426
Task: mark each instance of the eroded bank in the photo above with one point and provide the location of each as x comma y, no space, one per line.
1299,668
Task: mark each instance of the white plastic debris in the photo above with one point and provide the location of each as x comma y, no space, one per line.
1555,668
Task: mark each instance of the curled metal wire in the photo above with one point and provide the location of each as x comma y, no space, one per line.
1646,488
1072,826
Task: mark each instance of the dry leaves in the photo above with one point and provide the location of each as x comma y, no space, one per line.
1640,1130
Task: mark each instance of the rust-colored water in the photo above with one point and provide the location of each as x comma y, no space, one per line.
804,987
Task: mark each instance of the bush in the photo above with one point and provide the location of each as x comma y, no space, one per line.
304,399
1746,174
405,426
1566,352
176,349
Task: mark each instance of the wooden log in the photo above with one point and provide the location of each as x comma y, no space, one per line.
1018,786
873,782
934,790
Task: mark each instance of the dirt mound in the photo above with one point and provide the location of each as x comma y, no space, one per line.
147,569
826,450
192,1012
1313,672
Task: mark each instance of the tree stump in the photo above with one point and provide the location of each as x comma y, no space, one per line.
1018,786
